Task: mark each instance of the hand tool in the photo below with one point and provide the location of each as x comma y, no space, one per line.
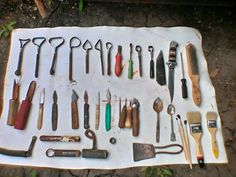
87,49
158,106
20,153
54,111
193,73
59,138
183,80
171,112
139,50
77,43
74,110
13,104
212,128
41,105
97,112
23,112
109,47
187,143
108,111
98,46
151,49
112,140
38,41
160,69
62,153
194,120
130,67
55,42
123,115
135,117
171,64
119,108
86,110
118,65
128,119
94,152
147,151
23,43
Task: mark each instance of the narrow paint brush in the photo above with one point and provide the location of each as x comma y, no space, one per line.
187,143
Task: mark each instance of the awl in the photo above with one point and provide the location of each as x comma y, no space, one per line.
41,104
74,110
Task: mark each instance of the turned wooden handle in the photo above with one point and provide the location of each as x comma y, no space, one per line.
13,108
199,151
128,121
54,116
40,117
122,117
196,90
214,143
135,122
97,117
74,115
22,115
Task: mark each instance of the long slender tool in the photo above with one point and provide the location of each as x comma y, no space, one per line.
41,105
183,80
130,67
109,47
151,49
74,110
108,111
139,50
98,46
97,112
54,111
86,110
87,46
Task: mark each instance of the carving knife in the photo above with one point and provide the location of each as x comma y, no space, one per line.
160,70
74,110
41,104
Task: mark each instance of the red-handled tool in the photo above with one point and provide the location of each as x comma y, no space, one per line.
118,65
22,115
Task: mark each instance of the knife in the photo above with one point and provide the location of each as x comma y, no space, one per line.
41,104
160,69
74,110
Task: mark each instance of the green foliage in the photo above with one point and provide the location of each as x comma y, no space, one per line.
81,5
157,172
7,28
34,173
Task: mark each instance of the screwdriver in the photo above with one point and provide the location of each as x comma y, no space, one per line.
118,65
130,67
183,80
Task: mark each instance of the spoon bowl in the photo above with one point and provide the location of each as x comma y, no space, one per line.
158,106
171,112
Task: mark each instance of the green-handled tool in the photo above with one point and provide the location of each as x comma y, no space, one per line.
108,111
130,67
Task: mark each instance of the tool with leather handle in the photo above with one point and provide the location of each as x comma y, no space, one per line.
86,110
123,115
74,110
135,117
22,115
108,111
128,119
41,105
118,64
54,111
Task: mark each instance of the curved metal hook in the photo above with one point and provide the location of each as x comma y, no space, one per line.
91,135
40,39
71,41
56,38
109,45
85,43
98,45
23,42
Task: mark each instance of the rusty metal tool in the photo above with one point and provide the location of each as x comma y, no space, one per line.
59,138
13,104
147,151
123,115
109,47
94,152
23,43
54,111
130,66
62,153
87,46
151,50
20,153
118,64
97,112
135,117
128,119
74,110
158,106
38,41
183,80
41,105
139,50
23,113
108,111
55,42
160,69
74,43
98,46
86,110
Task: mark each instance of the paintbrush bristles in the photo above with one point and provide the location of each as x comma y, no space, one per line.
211,116
193,117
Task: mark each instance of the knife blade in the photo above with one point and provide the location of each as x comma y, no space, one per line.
41,104
160,69
74,110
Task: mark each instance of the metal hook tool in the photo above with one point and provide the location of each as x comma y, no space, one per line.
139,50
23,43
73,39
52,69
151,49
109,47
38,41
87,54
98,46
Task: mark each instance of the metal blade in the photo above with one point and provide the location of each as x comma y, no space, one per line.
42,96
143,151
160,70
171,83
74,96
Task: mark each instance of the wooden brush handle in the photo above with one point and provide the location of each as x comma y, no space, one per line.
196,89
199,151
214,143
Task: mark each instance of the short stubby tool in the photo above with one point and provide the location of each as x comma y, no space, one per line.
23,43
74,110
87,46
53,138
128,119
98,46
130,61
183,80
41,105
54,111
38,41
86,111
139,50
108,111
97,116
74,43
123,115
160,69
151,50
157,107
56,42
20,153
135,117
118,64
23,112
171,112
13,104
62,153
171,64
94,152
109,47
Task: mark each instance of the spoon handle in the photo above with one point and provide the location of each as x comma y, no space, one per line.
158,128
172,136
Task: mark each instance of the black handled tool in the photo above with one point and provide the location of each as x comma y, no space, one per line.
87,46
54,112
86,110
183,80
150,49
98,46
109,47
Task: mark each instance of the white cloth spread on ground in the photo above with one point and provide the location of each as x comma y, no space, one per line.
146,90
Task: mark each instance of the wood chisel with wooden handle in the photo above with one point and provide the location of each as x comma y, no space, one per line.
74,110
123,115
41,105
54,111
135,117
22,115
128,119
193,72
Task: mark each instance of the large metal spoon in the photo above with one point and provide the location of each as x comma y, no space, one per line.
158,106
171,112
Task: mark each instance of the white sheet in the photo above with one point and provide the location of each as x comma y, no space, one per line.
144,89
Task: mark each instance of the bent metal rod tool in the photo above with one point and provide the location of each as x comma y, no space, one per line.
109,47
23,43
54,111
41,105
55,42
160,69
86,110
38,41
139,50
20,153
94,152
108,111
62,153
183,80
51,138
130,66
23,113
97,112
74,110
151,50
87,46
118,64
98,46
135,117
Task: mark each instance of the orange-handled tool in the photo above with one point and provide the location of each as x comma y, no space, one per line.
118,65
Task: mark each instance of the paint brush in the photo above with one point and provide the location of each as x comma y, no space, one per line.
187,143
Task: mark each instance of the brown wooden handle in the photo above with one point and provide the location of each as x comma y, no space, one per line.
196,90
128,121
214,143
40,117
199,151
22,115
135,122
54,116
12,113
97,117
122,117
74,115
